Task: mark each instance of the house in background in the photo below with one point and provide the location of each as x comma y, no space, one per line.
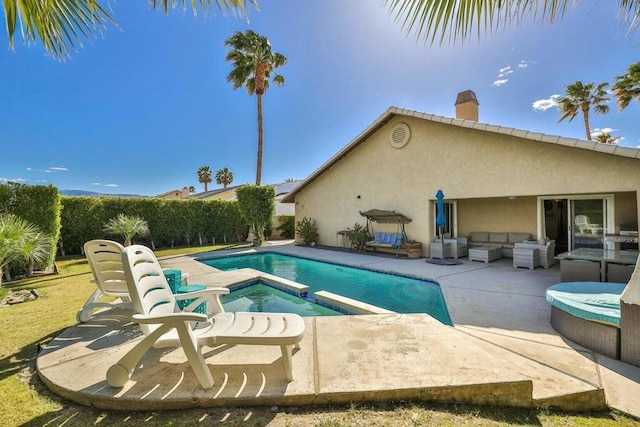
281,208
494,178
228,193
175,194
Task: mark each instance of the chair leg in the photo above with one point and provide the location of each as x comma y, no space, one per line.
120,373
287,359
195,357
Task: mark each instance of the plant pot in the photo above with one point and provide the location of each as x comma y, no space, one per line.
414,249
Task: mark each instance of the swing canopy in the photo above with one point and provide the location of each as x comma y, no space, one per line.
385,217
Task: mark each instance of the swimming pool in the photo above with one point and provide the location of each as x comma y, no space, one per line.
392,292
259,297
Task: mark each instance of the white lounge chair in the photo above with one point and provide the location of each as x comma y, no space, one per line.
105,260
165,325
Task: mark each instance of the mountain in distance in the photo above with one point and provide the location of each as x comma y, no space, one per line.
84,193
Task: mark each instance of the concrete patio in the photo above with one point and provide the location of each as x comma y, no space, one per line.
501,350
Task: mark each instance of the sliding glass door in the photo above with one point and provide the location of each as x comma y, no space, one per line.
576,221
589,223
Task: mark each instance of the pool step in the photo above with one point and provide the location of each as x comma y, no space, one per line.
340,303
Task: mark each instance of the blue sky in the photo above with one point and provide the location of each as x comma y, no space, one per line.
140,108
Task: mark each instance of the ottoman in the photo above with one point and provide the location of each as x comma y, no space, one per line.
485,253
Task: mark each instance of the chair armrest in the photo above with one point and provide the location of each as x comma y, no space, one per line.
167,318
202,293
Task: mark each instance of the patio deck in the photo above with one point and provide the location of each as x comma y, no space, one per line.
501,350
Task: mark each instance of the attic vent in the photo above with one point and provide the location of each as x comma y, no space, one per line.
400,135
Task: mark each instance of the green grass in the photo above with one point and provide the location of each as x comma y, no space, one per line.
24,400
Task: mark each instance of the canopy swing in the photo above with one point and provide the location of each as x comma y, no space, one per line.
386,240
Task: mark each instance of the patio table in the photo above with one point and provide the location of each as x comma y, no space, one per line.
603,256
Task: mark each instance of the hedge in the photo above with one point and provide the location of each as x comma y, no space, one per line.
171,222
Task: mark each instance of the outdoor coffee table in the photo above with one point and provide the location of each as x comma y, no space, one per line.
485,253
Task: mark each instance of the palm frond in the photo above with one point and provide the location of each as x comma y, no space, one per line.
457,20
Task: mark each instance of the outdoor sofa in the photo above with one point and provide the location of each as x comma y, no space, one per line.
506,241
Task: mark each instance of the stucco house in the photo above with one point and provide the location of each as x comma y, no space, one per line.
175,194
496,179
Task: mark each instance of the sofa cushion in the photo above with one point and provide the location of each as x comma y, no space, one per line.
479,236
518,237
498,237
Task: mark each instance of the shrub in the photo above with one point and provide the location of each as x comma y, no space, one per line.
358,236
128,227
287,226
307,230
257,204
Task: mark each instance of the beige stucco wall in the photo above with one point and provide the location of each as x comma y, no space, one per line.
478,169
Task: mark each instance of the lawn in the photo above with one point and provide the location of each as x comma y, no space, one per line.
24,400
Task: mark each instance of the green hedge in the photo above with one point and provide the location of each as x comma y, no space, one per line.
171,222
38,204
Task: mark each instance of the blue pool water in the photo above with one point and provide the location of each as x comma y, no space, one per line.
396,293
260,298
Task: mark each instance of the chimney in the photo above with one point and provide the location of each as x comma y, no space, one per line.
185,193
467,106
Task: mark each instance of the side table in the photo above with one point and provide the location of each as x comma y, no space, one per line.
435,250
526,257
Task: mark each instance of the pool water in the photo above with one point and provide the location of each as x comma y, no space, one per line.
261,298
392,292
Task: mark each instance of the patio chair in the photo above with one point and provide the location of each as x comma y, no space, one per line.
163,324
105,260
584,225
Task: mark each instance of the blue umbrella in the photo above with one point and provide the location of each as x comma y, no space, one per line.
441,220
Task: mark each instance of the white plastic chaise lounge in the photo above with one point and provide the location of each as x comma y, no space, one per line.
163,324
105,260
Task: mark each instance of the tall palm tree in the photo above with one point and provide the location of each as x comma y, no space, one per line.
580,97
253,62
433,20
224,177
63,24
627,86
204,176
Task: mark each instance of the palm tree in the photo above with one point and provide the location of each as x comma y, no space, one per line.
606,138
224,177
253,62
192,189
63,24
580,97
204,176
127,227
21,240
459,19
627,86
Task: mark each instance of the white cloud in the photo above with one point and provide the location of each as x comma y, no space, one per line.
505,69
525,64
545,104
57,169
95,183
29,169
111,185
499,82
5,180
600,131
